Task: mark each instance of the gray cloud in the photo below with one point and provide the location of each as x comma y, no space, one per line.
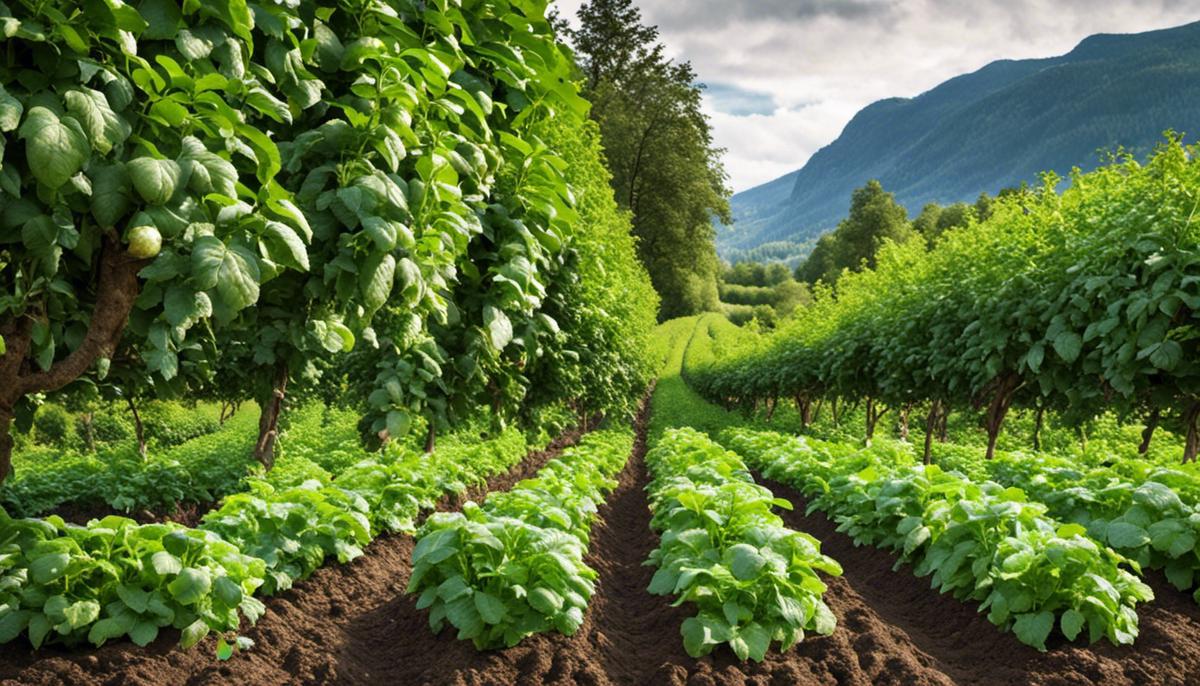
787,75
679,15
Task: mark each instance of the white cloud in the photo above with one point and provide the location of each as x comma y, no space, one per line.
820,61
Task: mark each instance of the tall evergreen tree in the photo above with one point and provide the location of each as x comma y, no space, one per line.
666,169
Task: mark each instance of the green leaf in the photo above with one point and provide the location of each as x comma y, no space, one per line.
744,561
1167,356
56,149
285,246
228,591
154,179
545,601
1072,621
190,586
10,111
106,630
143,633
103,126
757,640
48,567
499,327
82,613
193,634
224,650
210,173
1032,628
112,194
375,280
165,564
1126,535
490,607
398,423
162,19
1068,345
232,270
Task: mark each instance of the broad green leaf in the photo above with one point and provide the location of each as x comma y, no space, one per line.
375,280
232,270
56,149
10,111
1072,621
103,126
112,194
48,567
500,330
491,608
1126,535
285,246
1068,345
1032,628
154,179
190,585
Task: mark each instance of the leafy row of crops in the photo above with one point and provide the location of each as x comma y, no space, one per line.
514,566
111,578
753,581
1076,303
980,541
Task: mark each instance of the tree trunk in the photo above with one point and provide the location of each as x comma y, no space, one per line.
816,414
1037,427
943,422
268,420
873,418
997,410
804,407
116,290
1191,445
1148,432
931,424
834,411
431,439
904,412
6,442
1083,439
138,428
771,404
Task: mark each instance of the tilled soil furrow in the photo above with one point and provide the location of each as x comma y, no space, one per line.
962,643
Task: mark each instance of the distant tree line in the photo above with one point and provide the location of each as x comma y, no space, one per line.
876,218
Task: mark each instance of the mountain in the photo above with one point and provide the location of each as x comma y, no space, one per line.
996,127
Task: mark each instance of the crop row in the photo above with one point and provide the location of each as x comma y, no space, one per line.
722,548
1147,513
979,541
113,577
513,567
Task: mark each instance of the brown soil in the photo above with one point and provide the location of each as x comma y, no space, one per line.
188,514
353,624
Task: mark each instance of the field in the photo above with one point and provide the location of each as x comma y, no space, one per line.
338,344
342,624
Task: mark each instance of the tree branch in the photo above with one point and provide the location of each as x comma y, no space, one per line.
115,294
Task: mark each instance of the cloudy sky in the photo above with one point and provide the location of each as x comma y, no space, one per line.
785,76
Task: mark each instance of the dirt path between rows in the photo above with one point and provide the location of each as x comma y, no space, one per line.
971,650
629,636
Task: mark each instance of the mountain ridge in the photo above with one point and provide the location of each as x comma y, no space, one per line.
994,127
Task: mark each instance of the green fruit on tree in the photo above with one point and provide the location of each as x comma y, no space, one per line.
144,242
